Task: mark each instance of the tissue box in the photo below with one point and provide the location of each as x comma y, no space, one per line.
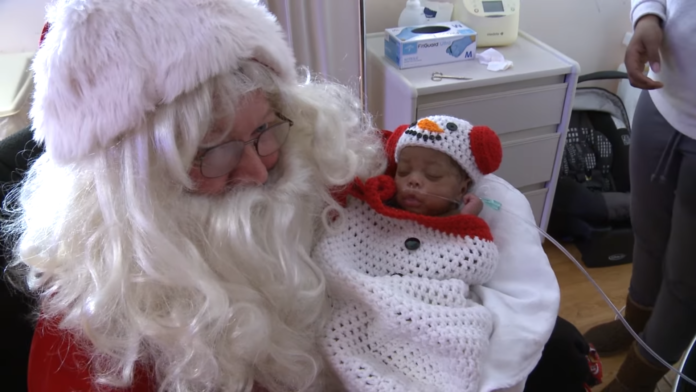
418,46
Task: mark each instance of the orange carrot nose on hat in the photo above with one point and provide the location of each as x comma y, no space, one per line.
477,149
103,66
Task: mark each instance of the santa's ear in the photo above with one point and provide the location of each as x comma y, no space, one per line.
486,149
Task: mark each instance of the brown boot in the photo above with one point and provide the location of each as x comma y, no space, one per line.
636,374
613,338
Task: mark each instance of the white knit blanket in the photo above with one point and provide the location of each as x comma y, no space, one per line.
403,317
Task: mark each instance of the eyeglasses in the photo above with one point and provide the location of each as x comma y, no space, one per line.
222,159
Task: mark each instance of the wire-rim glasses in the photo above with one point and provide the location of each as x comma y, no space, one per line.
222,159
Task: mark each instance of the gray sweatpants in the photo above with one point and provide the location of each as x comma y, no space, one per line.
663,213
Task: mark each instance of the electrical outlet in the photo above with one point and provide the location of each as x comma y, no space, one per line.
627,38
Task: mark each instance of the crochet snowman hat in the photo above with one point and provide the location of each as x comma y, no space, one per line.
104,64
477,149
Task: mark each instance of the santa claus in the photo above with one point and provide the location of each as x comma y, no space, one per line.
168,226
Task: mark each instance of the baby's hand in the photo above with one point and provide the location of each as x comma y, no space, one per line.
472,205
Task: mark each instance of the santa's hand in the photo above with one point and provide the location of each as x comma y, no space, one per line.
472,205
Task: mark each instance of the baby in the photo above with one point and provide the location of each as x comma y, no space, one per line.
402,259
431,182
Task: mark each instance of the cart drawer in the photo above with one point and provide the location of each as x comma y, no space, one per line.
505,112
529,161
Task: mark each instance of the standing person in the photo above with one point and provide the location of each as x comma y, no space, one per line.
167,228
662,296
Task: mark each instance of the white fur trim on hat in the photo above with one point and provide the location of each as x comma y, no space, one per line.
477,149
105,64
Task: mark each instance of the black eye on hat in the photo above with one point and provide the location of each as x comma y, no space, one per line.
452,127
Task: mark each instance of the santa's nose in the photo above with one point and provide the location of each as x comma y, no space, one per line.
250,169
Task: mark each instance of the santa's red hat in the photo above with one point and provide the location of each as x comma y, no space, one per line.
102,66
477,149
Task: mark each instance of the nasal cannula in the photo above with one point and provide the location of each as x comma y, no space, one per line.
497,206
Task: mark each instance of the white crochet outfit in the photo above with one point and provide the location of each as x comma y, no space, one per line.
403,316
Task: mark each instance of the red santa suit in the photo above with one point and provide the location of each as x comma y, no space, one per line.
403,315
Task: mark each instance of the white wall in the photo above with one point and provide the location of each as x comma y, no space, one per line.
325,35
21,22
589,31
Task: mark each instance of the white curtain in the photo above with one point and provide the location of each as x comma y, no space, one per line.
326,35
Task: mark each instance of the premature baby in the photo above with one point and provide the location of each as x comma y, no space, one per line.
430,182
401,261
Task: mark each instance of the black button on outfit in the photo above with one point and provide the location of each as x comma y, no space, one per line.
412,243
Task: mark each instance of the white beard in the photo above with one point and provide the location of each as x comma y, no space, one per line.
213,292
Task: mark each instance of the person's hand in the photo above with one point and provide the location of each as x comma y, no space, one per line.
644,47
472,205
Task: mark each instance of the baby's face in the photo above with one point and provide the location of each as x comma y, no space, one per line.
422,172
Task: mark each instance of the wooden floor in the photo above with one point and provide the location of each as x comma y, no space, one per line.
583,306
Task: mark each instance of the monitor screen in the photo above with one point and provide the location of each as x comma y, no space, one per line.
493,6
